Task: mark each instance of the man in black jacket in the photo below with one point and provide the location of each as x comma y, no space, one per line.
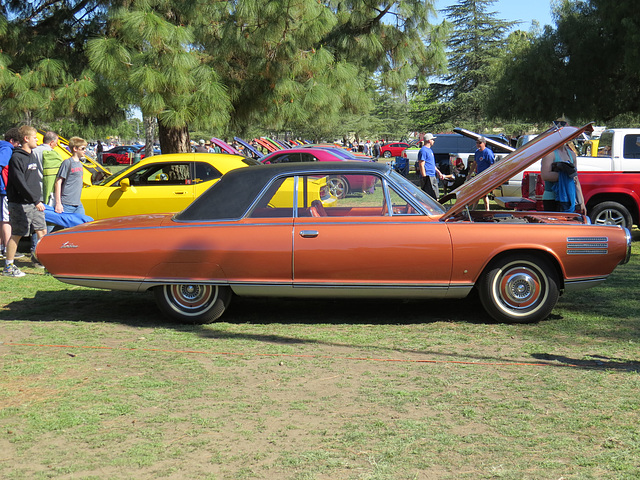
24,195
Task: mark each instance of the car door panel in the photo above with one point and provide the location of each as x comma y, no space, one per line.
371,251
256,257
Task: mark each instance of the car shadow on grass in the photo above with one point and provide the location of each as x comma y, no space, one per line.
591,362
138,309
354,311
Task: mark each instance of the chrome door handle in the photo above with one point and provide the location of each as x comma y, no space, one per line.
308,233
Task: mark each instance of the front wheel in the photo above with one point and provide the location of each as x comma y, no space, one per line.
387,154
519,288
193,303
611,213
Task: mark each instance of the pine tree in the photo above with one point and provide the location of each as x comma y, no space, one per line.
43,70
305,65
476,43
150,58
270,64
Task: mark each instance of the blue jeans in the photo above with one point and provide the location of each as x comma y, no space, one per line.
79,209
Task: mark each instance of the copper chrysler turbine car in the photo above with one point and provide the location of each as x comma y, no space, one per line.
395,242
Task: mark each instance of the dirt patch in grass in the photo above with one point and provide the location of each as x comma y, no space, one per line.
233,401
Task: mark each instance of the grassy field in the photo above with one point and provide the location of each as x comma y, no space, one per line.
97,384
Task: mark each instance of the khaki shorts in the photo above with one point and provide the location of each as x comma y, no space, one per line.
24,218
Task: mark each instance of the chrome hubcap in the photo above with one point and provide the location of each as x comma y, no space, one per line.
520,287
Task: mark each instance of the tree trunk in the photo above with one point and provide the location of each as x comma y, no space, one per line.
149,135
174,139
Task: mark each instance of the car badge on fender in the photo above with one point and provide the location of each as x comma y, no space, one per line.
68,245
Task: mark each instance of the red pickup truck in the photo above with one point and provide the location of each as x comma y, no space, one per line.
612,198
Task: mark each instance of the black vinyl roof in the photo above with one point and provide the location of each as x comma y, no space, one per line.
236,191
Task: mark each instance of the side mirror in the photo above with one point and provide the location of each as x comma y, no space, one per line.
125,184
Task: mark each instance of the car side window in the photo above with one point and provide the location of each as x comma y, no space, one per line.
631,146
399,205
276,201
308,157
161,174
371,201
285,158
206,172
352,196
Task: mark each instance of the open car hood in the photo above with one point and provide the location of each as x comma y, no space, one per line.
501,171
497,147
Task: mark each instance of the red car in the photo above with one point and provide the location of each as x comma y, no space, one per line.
339,185
124,154
394,149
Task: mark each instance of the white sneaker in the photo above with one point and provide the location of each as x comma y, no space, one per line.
12,271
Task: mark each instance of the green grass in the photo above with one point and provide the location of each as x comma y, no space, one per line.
97,384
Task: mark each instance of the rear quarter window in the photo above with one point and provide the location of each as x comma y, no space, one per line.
604,145
631,146
205,172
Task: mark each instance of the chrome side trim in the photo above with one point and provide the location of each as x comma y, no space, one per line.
587,245
107,284
286,289
584,251
352,291
583,284
587,239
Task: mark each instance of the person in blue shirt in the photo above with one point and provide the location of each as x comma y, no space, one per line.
484,158
429,173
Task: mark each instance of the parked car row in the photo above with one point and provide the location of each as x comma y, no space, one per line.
125,154
340,185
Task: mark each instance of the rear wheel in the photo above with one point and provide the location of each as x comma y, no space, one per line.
193,303
338,186
611,213
519,288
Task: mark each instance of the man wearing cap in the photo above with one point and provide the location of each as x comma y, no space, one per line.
484,158
201,148
429,173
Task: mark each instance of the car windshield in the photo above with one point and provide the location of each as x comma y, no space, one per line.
409,188
106,180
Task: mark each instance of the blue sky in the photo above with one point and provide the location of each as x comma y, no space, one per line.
515,10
